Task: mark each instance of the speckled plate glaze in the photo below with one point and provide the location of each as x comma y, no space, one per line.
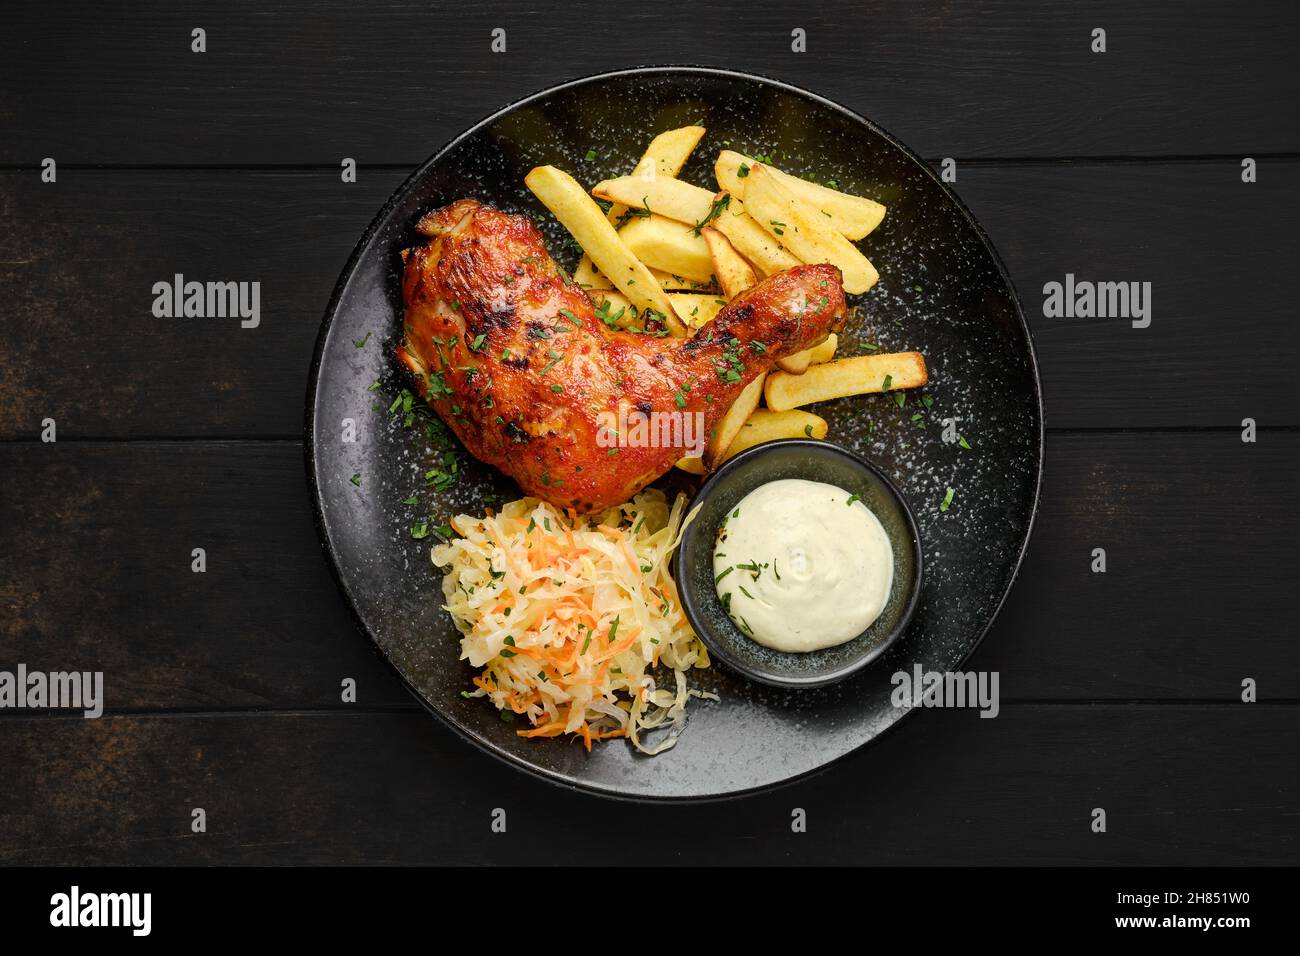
943,291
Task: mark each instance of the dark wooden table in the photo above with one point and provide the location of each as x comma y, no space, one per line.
1120,690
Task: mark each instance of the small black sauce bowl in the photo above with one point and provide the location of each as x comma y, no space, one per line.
811,460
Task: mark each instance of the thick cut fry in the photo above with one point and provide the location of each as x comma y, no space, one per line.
852,216
669,282
586,276
778,212
666,245
579,214
734,274
613,308
694,466
862,375
797,363
752,241
724,433
826,350
661,195
696,308
767,425
665,156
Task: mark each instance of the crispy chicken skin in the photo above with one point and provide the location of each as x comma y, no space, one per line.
512,356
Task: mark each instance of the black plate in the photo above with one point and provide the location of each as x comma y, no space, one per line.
943,291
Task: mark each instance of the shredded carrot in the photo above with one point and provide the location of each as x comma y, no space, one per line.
553,631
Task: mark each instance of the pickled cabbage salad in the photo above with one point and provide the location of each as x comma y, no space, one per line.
575,620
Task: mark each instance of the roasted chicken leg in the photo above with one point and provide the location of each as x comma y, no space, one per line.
513,357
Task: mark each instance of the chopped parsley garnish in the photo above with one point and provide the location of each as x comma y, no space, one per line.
853,498
410,501
743,171
361,342
715,210
807,430
356,479
961,440
477,344
888,381
420,530
591,155
947,500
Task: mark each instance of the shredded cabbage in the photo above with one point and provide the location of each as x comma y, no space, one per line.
573,617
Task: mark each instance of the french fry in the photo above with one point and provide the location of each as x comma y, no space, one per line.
613,308
852,216
786,218
661,195
694,466
667,245
724,433
861,375
665,156
588,277
696,308
673,283
752,241
560,193
826,350
734,274
767,425
797,363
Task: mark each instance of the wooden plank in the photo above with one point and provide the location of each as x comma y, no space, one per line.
312,81
1187,785
83,347
95,575
1222,343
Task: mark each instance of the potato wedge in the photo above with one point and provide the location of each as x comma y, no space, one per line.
724,433
696,308
825,351
787,219
667,245
861,375
560,193
734,274
694,466
852,216
767,425
665,156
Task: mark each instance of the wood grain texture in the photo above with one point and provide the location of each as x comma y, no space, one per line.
95,575
80,259
1180,785
311,81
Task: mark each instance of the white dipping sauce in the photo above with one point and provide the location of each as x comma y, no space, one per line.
799,566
